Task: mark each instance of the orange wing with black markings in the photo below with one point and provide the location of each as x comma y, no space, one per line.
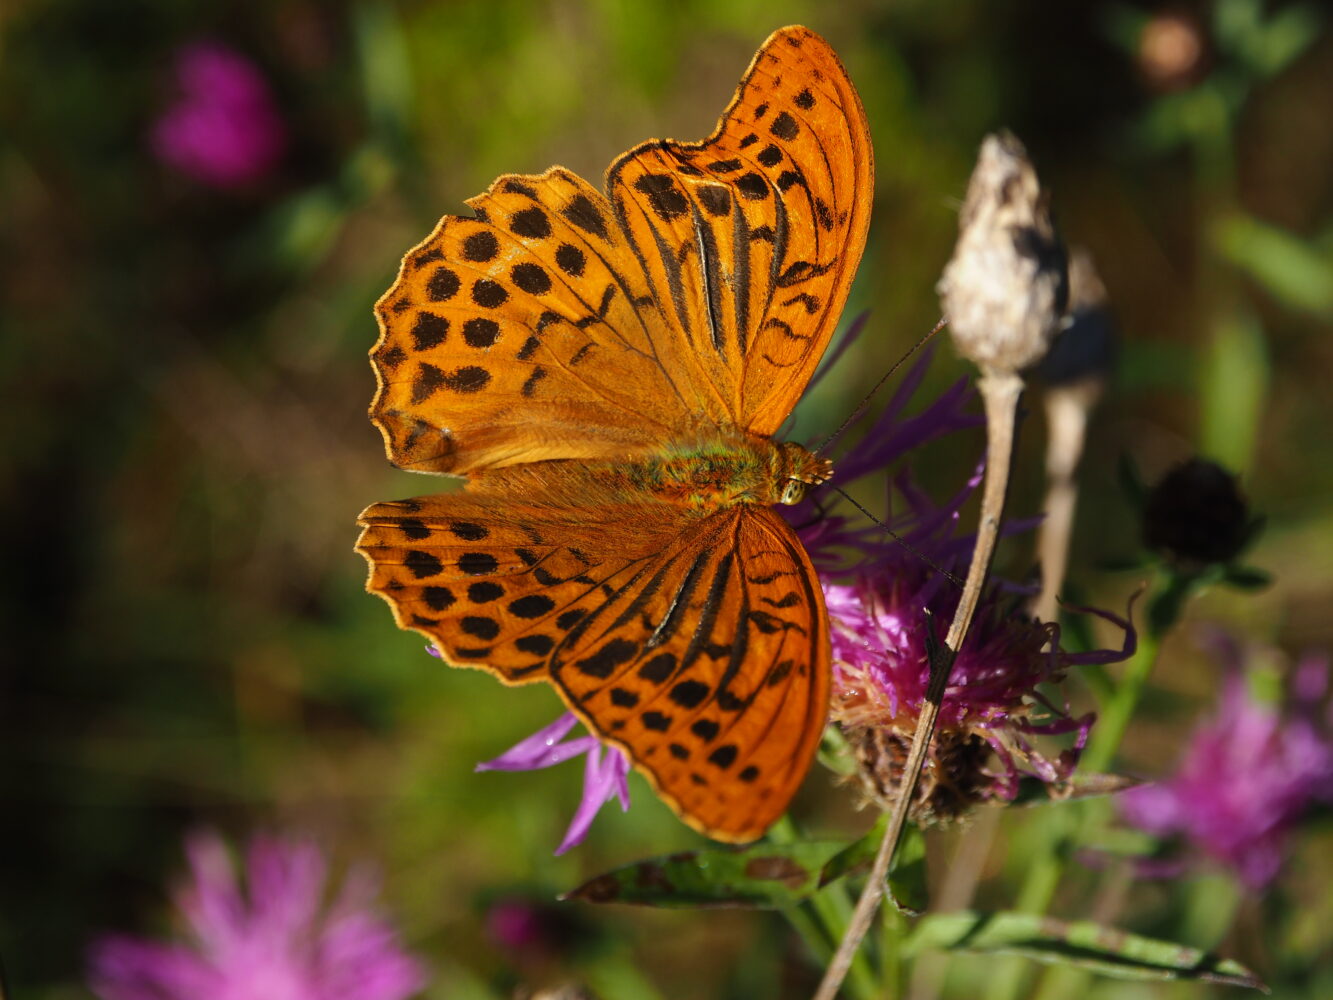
559,324
697,646
561,348
751,238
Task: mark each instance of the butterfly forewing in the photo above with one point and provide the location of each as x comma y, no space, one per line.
751,238
523,334
710,668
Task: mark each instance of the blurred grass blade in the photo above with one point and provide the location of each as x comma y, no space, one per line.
1081,943
765,875
1294,272
1234,388
386,77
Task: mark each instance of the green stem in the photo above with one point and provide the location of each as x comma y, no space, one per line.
892,929
823,919
1114,718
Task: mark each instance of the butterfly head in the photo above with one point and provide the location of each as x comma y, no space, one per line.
796,470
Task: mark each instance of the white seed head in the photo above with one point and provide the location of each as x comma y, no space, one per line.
1005,288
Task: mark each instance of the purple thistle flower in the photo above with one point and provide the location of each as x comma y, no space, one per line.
883,623
1248,774
605,770
279,938
224,129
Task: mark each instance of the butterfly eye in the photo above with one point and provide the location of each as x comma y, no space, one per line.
793,492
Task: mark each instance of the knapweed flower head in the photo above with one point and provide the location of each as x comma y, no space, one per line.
224,128
1248,774
886,621
605,770
279,936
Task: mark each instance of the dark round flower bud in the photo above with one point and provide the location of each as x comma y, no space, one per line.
1196,516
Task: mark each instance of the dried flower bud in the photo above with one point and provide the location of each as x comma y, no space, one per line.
1196,516
1005,289
1085,346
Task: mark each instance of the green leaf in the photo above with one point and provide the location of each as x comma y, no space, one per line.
1168,604
907,873
764,875
1247,577
1295,272
857,857
835,753
1033,791
1083,943
907,876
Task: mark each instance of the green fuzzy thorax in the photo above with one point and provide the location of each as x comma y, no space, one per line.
707,475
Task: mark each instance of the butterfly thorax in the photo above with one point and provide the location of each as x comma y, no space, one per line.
713,473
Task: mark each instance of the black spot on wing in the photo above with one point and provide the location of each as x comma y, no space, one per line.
429,331
530,223
481,246
785,127
583,213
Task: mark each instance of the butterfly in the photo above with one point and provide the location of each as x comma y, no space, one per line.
607,370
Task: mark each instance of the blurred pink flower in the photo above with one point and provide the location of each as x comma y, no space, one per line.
223,129
1248,774
605,770
276,939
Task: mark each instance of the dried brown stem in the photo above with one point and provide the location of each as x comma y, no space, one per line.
999,392
1067,409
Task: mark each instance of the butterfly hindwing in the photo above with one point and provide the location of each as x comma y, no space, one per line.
698,646
751,238
495,584
710,668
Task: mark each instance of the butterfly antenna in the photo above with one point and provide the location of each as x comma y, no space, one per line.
861,406
901,540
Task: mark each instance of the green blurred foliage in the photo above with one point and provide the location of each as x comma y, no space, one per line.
186,447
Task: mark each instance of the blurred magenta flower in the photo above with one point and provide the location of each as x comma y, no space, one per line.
279,938
1248,774
224,128
605,770
515,925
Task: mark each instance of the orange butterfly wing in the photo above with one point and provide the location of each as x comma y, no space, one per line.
698,646
525,333
560,335
710,669
559,324
751,238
